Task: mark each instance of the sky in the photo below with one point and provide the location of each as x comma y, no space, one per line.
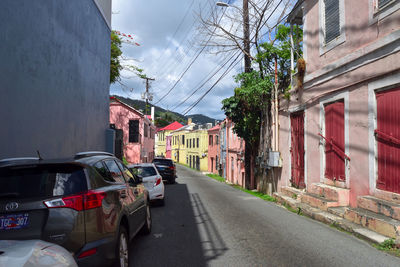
167,32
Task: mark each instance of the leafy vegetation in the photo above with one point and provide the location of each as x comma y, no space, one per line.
216,177
256,194
115,65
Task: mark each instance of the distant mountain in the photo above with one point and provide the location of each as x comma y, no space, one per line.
164,114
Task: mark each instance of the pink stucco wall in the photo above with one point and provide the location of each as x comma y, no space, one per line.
214,152
120,114
168,147
234,156
345,71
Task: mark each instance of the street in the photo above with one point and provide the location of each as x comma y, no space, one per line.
208,223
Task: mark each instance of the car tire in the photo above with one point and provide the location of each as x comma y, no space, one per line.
172,180
122,250
146,229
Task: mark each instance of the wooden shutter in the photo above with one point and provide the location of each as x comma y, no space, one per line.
133,131
332,20
334,132
388,139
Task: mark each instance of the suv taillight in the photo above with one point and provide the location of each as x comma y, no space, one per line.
172,167
85,201
158,181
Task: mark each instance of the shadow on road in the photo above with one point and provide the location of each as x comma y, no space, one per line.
183,233
212,243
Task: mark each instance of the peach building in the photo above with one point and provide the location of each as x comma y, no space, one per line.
137,131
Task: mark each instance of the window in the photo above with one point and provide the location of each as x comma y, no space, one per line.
331,19
145,130
103,171
133,131
197,142
331,23
190,143
210,140
216,139
114,170
183,140
125,171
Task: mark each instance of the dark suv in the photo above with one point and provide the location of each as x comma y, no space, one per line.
166,168
90,204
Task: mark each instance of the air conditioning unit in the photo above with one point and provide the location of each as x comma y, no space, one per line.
274,159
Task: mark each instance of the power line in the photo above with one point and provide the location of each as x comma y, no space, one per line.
191,63
230,67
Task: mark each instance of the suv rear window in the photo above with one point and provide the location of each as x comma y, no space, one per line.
41,181
167,162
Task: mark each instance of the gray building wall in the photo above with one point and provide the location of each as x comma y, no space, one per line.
54,77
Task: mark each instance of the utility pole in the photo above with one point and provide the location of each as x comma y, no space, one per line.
246,36
147,96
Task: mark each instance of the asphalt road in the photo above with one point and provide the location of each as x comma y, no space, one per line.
208,223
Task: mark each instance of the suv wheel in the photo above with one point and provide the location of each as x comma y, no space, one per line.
147,224
122,250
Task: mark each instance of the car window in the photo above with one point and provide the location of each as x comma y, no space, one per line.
41,181
163,162
145,171
125,171
116,173
102,169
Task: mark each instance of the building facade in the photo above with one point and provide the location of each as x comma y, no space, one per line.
197,149
339,137
160,149
234,156
137,131
214,150
54,71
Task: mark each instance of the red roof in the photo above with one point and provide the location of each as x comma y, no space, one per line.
173,126
216,127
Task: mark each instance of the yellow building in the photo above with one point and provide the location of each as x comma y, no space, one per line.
178,143
197,149
161,139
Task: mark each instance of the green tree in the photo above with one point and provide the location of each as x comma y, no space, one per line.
250,107
115,65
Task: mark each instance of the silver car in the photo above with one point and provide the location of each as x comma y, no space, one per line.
34,253
152,180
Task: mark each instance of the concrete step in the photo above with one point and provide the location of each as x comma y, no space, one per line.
330,192
318,201
286,200
380,206
338,211
376,222
330,218
292,192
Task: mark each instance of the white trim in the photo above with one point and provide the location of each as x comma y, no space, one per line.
375,16
305,33
323,101
325,47
357,59
385,83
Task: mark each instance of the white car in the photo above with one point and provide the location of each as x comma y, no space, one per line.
34,253
151,178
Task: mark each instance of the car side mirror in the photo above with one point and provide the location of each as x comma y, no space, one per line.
135,181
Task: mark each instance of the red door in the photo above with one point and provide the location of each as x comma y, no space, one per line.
297,149
334,146
388,139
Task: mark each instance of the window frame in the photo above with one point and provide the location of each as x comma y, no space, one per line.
323,46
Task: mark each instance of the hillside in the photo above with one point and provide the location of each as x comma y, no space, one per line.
165,116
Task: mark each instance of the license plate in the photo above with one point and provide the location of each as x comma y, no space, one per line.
14,221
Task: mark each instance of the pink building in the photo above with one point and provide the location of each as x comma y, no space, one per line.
235,172
214,152
137,131
168,147
340,131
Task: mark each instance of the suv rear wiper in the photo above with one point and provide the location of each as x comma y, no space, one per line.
12,194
